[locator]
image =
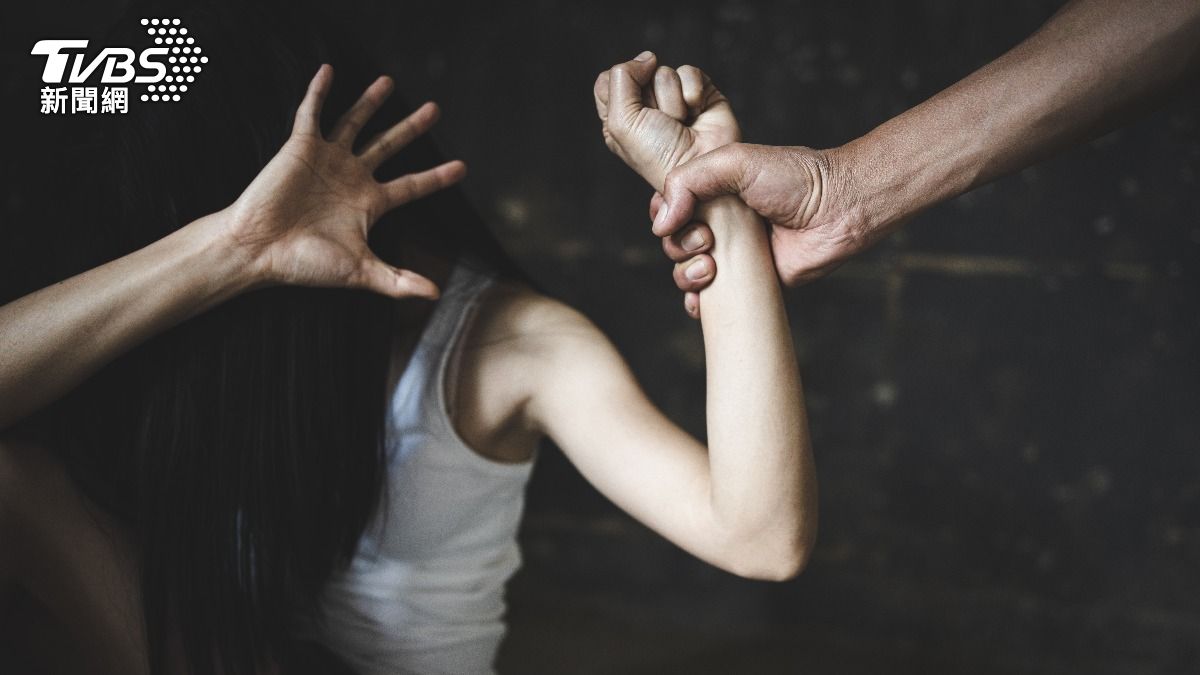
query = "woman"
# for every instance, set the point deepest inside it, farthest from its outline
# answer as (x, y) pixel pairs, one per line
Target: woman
(213, 450)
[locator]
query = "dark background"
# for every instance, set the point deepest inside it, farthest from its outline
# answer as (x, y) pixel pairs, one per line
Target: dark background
(1003, 397)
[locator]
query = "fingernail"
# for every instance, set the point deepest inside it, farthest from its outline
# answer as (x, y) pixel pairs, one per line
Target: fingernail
(644, 56)
(661, 218)
(697, 270)
(692, 241)
(689, 306)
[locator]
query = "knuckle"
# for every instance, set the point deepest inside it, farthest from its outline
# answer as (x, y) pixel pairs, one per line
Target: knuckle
(363, 276)
(674, 181)
(791, 273)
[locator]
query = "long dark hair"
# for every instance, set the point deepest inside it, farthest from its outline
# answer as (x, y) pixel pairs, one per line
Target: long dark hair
(243, 447)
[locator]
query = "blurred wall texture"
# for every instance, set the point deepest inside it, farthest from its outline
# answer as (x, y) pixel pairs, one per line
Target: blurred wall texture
(1004, 397)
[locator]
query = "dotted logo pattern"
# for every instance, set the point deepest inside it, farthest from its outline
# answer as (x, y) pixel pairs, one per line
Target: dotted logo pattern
(186, 59)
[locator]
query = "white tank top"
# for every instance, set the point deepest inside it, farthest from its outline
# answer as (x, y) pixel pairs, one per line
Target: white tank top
(425, 592)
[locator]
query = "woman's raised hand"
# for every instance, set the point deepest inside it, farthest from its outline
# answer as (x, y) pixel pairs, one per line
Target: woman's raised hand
(656, 118)
(304, 219)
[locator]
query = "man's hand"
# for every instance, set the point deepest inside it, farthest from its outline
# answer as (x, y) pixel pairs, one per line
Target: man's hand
(802, 192)
(1091, 65)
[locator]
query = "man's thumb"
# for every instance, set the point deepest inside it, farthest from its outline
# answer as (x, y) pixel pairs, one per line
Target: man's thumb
(706, 177)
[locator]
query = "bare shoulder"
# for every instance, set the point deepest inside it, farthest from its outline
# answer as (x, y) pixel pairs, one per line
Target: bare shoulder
(513, 316)
(519, 342)
(522, 336)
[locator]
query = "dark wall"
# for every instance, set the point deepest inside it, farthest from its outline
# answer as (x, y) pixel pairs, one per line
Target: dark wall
(1003, 397)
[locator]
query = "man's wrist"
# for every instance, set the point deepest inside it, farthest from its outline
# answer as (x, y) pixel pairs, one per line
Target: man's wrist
(890, 175)
(869, 186)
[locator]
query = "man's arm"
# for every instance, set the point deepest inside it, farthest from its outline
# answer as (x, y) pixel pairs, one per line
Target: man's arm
(1084, 71)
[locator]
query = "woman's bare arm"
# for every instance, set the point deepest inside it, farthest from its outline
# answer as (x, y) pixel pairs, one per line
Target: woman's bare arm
(304, 220)
(53, 339)
(747, 502)
(759, 449)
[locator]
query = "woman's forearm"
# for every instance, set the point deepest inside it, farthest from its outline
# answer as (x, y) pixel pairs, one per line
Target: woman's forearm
(53, 339)
(1077, 76)
(761, 463)
(303, 220)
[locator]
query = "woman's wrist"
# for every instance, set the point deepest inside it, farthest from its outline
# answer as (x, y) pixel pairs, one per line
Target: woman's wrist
(738, 232)
(727, 216)
(229, 266)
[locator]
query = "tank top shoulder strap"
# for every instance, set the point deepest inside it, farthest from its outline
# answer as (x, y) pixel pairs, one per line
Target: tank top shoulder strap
(457, 303)
(417, 396)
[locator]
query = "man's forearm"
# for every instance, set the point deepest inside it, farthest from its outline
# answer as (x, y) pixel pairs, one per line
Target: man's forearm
(1080, 74)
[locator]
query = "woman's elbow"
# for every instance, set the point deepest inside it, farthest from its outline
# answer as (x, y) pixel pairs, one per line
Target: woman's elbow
(781, 559)
(778, 568)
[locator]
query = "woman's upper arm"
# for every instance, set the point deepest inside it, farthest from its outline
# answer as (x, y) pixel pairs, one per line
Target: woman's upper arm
(587, 401)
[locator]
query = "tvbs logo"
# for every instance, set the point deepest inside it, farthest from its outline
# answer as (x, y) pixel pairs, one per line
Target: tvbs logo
(165, 70)
(118, 63)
